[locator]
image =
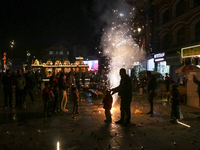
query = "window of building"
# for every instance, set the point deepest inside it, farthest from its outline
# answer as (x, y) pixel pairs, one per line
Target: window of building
(56, 52)
(180, 8)
(61, 52)
(165, 42)
(166, 16)
(196, 3)
(197, 32)
(67, 52)
(50, 52)
(181, 36)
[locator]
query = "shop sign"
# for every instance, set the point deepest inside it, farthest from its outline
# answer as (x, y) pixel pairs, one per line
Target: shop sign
(190, 51)
(136, 63)
(159, 57)
(78, 57)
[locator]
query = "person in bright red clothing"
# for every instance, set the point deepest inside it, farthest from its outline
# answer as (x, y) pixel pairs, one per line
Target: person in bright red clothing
(46, 96)
(107, 101)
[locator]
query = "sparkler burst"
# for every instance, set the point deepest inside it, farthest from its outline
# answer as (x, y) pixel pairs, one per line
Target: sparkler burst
(118, 43)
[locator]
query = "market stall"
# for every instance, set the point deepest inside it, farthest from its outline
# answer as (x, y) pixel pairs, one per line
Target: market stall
(49, 68)
(192, 95)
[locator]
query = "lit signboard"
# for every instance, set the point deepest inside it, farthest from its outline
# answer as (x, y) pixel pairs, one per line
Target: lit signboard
(190, 51)
(159, 57)
(93, 65)
(79, 57)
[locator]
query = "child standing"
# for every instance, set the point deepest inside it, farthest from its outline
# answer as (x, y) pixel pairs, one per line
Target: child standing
(107, 101)
(140, 85)
(46, 96)
(175, 109)
(75, 98)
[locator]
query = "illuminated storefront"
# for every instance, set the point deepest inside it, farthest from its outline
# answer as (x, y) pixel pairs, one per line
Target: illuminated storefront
(191, 55)
(151, 64)
(48, 69)
(161, 64)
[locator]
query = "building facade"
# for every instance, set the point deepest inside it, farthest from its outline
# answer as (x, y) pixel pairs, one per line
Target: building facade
(80, 50)
(176, 25)
(56, 52)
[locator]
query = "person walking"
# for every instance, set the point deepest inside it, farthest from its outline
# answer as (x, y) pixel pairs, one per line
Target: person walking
(47, 96)
(29, 87)
(125, 92)
(63, 92)
(167, 84)
(175, 100)
(77, 79)
(75, 99)
(56, 103)
(83, 78)
(150, 88)
(134, 81)
(7, 81)
(107, 105)
(19, 88)
(70, 81)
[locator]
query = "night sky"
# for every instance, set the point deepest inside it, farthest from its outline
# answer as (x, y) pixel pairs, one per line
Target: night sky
(36, 25)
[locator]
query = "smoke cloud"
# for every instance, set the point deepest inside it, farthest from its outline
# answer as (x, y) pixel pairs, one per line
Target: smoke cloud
(117, 37)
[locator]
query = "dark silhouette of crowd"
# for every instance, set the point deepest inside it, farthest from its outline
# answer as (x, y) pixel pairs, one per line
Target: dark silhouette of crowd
(63, 88)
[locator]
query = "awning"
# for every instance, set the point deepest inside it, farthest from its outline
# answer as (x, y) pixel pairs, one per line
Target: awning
(185, 68)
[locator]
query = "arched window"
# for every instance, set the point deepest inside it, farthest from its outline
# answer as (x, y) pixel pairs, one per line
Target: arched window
(181, 36)
(165, 42)
(197, 32)
(166, 16)
(180, 8)
(196, 3)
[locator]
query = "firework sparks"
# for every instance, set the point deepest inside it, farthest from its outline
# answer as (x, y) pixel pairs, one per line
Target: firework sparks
(119, 45)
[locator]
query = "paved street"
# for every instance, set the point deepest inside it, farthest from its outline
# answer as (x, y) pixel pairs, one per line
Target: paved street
(26, 129)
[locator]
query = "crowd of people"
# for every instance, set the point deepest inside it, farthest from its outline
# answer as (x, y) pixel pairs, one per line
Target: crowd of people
(55, 93)
(59, 89)
(23, 84)
(64, 86)
(125, 90)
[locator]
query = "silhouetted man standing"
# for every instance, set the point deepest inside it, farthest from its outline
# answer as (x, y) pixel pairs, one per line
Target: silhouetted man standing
(125, 92)
(7, 82)
(151, 86)
(19, 91)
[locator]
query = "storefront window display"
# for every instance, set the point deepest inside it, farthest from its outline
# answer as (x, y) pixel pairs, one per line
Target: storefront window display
(57, 70)
(49, 72)
(67, 70)
(163, 68)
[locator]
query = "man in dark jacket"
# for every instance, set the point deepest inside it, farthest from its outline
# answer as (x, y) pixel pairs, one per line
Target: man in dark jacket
(125, 92)
(30, 85)
(7, 82)
(150, 87)
(19, 91)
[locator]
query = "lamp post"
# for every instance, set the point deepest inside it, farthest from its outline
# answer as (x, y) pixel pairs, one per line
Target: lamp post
(12, 43)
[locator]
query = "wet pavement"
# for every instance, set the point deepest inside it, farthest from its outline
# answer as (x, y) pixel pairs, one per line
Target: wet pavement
(26, 129)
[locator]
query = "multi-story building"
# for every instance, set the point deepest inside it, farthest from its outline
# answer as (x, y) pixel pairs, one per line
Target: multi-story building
(176, 25)
(80, 50)
(56, 52)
